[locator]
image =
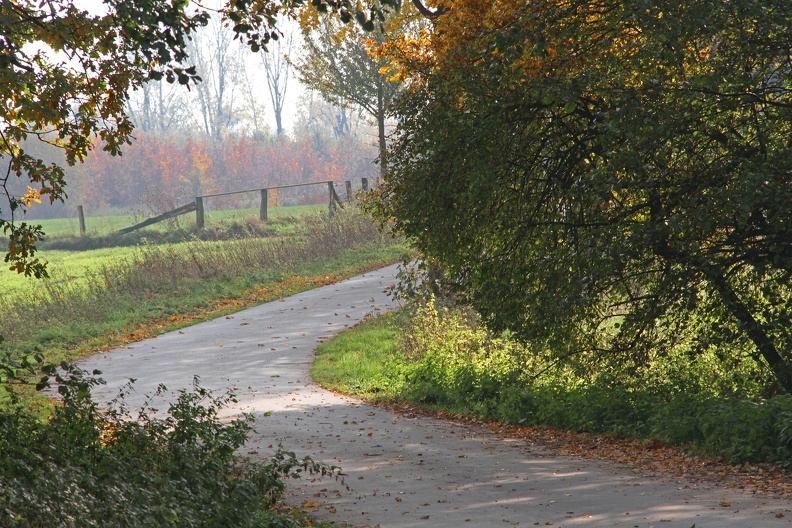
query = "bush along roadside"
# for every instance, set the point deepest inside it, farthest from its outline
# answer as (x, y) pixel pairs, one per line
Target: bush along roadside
(443, 360)
(86, 467)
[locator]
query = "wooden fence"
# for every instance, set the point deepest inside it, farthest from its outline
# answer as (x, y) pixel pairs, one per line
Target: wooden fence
(334, 202)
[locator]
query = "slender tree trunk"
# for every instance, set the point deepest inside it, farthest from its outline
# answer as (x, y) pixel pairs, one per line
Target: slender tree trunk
(383, 146)
(753, 328)
(278, 121)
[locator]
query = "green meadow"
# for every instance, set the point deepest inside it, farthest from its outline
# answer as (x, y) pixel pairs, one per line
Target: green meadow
(110, 221)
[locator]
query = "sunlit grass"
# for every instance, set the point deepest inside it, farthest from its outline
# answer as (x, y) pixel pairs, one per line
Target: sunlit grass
(360, 361)
(108, 224)
(429, 360)
(63, 266)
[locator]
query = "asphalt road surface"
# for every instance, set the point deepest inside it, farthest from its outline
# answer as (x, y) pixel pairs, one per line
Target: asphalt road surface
(403, 470)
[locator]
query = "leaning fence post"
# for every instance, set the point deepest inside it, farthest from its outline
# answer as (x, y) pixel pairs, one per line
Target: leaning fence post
(364, 184)
(263, 206)
(81, 218)
(349, 190)
(199, 212)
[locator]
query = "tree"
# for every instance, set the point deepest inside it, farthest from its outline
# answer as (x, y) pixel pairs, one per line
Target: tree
(338, 63)
(158, 107)
(65, 75)
(254, 109)
(608, 178)
(276, 70)
(317, 117)
(218, 61)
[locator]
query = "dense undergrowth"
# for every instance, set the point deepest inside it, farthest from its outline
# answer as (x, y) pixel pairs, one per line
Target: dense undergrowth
(440, 357)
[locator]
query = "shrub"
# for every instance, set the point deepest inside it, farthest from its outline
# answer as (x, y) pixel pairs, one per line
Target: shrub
(84, 467)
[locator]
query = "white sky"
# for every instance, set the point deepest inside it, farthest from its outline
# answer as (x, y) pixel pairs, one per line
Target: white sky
(255, 68)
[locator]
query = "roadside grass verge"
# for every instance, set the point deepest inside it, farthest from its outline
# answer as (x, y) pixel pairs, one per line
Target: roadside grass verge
(363, 361)
(442, 361)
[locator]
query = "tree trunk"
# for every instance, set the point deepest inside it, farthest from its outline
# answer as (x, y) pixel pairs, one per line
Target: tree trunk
(756, 332)
(383, 146)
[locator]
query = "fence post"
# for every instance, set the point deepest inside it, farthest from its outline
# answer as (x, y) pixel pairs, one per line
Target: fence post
(263, 206)
(199, 212)
(81, 218)
(331, 192)
(364, 184)
(349, 190)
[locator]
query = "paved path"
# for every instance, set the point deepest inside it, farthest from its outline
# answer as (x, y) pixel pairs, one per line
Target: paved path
(405, 471)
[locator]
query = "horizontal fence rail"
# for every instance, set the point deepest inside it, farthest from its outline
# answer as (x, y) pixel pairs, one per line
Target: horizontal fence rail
(334, 201)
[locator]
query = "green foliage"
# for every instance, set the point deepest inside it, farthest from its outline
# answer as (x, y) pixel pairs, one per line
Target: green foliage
(86, 467)
(450, 360)
(254, 20)
(735, 428)
(611, 181)
(443, 359)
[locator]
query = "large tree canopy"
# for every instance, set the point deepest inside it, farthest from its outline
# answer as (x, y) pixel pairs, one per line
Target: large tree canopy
(607, 177)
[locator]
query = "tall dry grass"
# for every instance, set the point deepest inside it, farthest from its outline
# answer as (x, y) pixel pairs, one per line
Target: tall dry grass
(168, 273)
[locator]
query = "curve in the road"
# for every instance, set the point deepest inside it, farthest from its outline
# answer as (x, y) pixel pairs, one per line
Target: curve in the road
(402, 470)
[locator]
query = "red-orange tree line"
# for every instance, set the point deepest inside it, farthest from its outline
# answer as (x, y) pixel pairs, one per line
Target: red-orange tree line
(178, 168)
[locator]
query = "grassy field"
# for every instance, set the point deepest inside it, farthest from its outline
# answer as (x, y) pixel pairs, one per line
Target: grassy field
(64, 266)
(78, 265)
(109, 224)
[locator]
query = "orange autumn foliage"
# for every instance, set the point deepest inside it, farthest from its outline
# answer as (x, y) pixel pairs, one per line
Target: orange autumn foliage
(195, 166)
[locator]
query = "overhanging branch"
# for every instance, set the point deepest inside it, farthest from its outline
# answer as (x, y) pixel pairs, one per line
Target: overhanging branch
(425, 11)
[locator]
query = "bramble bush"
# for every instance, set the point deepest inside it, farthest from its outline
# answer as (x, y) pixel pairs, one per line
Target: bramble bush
(86, 467)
